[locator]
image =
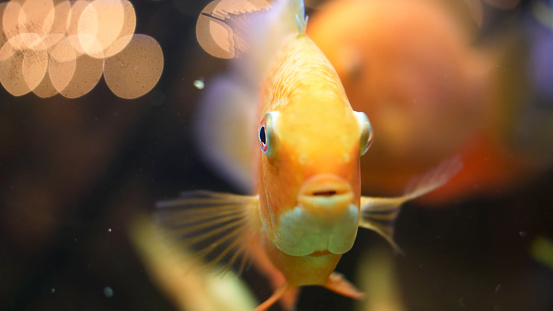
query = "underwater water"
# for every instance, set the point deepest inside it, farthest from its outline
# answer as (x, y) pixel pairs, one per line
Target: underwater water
(76, 173)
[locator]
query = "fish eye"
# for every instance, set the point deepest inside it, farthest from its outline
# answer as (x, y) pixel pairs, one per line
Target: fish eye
(263, 137)
(366, 137)
(266, 134)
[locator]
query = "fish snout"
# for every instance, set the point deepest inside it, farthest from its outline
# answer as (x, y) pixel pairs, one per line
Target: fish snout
(325, 194)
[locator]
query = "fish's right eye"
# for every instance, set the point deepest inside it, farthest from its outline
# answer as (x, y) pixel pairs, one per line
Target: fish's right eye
(366, 136)
(266, 134)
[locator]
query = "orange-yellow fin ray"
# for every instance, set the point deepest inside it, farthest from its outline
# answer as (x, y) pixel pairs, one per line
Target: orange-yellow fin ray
(338, 284)
(433, 179)
(211, 222)
(230, 236)
(216, 226)
(274, 297)
(241, 249)
(379, 214)
(289, 298)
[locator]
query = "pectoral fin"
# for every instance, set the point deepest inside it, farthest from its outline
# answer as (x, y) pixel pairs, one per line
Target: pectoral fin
(217, 226)
(379, 214)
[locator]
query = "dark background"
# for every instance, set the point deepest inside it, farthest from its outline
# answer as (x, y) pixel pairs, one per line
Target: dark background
(73, 173)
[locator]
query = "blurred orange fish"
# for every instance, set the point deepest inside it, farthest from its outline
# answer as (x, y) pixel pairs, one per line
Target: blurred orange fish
(431, 93)
(307, 205)
(411, 67)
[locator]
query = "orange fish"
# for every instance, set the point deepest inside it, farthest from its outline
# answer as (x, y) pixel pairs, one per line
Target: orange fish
(411, 67)
(431, 93)
(307, 203)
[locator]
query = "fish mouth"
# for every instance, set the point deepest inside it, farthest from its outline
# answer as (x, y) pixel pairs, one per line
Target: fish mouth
(325, 194)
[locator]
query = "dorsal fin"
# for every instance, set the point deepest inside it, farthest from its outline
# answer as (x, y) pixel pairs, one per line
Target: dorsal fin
(301, 20)
(230, 28)
(223, 25)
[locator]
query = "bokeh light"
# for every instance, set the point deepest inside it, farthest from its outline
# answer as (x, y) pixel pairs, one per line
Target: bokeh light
(60, 47)
(88, 71)
(134, 71)
(22, 70)
(214, 29)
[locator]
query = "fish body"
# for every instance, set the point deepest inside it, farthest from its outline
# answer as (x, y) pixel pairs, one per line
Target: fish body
(307, 143)
(317, 144)
(309, 188)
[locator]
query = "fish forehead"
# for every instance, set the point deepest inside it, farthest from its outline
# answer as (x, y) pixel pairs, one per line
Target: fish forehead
(301, 69)
(319, 131)
(315, 114)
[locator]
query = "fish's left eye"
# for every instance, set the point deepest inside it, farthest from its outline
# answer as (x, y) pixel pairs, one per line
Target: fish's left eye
(366, 137)
(262, 135)
(266, 134)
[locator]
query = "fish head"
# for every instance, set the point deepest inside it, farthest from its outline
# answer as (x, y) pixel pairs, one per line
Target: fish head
(309, 174)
